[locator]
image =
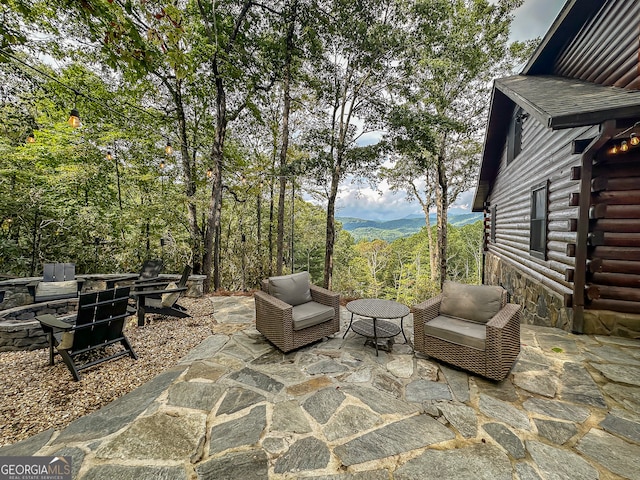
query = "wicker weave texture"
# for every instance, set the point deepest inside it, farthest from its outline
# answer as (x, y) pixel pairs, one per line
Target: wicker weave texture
(502, 344)
(274, 319)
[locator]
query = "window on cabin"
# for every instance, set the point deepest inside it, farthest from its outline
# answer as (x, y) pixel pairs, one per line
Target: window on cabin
(538, 235)
(514, 140)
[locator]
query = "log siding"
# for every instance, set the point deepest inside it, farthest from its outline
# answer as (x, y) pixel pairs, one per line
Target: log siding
(590, 58)
(546, 156)
(613, 275)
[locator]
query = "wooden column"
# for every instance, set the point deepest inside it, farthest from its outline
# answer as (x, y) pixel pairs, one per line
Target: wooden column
(606, 132)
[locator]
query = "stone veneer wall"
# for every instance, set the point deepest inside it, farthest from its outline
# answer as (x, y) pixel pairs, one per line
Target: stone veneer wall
(544, 307)
(541, 306)
(19, 330)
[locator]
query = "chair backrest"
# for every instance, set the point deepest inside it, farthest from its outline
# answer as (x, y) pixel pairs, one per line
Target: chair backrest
(185, 276)
(151, 269)
(101, 317)
(58, 272)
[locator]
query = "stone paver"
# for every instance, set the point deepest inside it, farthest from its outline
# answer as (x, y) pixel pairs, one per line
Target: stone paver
(399, 437)
(240, 432)
(147, 439)
(505, 412)
(611, 452)
(479, 462)
(235, 407)
(558, 464)
(506, 438)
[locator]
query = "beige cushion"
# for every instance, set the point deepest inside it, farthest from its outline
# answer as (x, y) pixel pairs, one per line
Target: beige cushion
(457, 331)
(292, 289)
(311, 313)
(52, 290)
(168, 299)
(67, 341)
(478, 303)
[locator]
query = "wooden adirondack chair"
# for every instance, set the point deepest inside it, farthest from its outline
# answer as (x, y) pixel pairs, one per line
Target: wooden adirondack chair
(98, 324)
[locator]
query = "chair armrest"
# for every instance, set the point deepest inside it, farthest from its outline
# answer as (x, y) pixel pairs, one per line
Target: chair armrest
(427, 310)
(504, 327)
(50, 321)
(422, 313)
(272, 313)
(508, 314)
(144, 293)
(150, 283)
(272, 301)
(324, 296)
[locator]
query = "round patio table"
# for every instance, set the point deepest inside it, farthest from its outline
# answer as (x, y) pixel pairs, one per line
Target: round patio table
(377, 312)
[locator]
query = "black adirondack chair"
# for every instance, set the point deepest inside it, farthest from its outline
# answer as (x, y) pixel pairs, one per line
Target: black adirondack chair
(150, 270)
(160, 297)
(148, 273)
(98, 324)
(58, 282)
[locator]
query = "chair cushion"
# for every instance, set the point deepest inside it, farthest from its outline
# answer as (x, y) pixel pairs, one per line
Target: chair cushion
(478, 303)
(168, 299)
(54, 290)
(457, 331)
(66, 342)
(292, 289)
(311, 313)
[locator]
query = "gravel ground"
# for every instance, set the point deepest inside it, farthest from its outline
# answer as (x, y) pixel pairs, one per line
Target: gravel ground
(35, 397)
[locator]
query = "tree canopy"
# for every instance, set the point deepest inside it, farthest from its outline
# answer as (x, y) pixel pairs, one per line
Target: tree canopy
(265, 107)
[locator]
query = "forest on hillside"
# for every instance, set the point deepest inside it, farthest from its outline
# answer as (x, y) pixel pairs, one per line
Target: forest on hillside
(188, 130)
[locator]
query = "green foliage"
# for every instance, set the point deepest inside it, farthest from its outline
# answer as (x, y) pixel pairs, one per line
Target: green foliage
(399, 270)
(209, 75)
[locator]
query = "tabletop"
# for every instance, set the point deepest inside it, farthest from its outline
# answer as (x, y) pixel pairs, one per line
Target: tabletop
(378, 308)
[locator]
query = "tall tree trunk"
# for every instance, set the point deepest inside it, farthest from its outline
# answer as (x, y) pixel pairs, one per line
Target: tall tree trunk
(280, 227)
(286, 86)
(432, 245)
(443, 205)
(189, 181)
(426, 205)
(211, 255)
(271, 209)
(259, 231)
(331, 227)
(215, 202)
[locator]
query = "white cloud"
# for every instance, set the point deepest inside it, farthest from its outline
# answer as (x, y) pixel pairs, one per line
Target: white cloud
(364, 202)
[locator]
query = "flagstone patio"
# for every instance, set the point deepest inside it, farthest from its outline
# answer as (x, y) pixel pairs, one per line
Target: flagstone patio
(237, 408)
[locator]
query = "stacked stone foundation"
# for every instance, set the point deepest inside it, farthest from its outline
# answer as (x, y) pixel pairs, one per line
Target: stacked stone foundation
(541, 305)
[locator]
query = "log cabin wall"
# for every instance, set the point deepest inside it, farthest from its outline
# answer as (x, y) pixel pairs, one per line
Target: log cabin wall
(613, 255)
(541, 285)
(587, 57)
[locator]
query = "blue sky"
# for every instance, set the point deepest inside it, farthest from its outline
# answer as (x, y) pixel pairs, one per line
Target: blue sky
(531, 20)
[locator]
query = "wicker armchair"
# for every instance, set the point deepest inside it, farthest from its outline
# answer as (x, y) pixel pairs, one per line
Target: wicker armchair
(293, 317)
(470, 326)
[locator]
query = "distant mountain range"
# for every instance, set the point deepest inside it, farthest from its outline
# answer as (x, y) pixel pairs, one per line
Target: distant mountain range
(389, 230)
